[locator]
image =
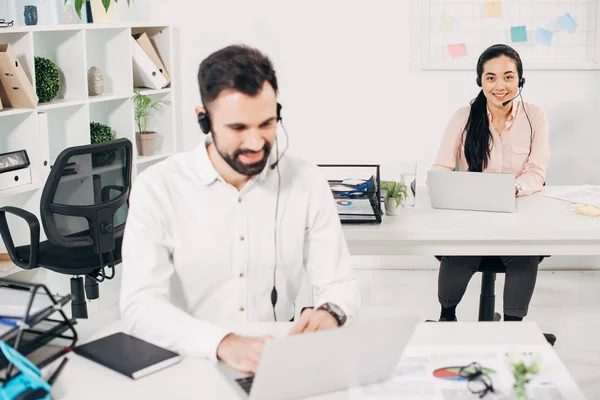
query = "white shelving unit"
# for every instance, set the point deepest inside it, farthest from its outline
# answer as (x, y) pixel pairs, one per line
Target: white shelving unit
(75, 49)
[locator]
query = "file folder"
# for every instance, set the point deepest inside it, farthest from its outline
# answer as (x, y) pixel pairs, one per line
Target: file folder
(145, 73)
(16, 90)
(144, 41)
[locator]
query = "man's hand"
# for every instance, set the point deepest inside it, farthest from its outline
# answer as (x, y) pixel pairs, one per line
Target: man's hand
(314, 320)
(242, 353)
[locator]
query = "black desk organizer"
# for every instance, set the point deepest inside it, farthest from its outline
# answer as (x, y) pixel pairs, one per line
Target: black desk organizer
(37, 330)
(372, 193)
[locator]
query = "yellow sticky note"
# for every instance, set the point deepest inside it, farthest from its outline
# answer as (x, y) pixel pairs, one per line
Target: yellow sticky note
(493, 9)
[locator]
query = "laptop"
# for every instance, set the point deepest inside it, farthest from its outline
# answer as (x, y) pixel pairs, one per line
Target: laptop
(473, 191)
(325, 361)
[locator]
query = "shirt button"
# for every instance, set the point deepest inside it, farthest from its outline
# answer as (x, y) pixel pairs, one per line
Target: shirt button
(240, 200)
(242, 309)
(242, 238)
(241, 274)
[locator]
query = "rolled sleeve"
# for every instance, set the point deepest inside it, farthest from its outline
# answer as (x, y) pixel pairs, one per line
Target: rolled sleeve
(534, 173)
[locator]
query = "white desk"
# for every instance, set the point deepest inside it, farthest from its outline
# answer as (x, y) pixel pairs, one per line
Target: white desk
(196, 378)
(540, 226)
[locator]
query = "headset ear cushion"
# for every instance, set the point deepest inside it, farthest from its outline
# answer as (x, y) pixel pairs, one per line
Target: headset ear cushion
(204, 122)
(522, 83)
(279, 107)
(478, 80)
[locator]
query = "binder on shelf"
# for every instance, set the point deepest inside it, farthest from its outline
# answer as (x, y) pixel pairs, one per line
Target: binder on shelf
(16, 90)
(356, 191)
(144, 41)
(145, 73)
(33, 322)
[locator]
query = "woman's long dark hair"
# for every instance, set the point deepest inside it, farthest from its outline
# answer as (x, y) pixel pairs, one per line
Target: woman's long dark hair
(478, 138)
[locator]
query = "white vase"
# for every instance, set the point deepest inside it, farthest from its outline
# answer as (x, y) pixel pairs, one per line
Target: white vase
(392, 207)
(99, 14)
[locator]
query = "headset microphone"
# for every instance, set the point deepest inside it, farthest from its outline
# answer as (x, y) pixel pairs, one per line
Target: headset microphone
(287, 144)
(508, 101)
(521, 84)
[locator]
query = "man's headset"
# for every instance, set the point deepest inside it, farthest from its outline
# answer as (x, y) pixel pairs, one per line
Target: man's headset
(205, 126)
(204, 119)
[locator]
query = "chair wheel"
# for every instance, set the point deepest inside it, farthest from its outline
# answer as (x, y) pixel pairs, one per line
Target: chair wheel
(497, 317)
(550, 338)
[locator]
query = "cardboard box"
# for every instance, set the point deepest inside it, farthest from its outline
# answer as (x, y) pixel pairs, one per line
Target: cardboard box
(16, 90)
(144, 41)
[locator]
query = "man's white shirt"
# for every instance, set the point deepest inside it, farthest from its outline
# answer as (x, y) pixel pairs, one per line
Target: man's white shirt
(218, 244)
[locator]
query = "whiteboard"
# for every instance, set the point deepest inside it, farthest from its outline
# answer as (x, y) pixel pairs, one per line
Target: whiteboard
(470, 23)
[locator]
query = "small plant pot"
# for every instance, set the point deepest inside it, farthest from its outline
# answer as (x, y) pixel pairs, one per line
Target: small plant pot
(392, 207)
(146, 143)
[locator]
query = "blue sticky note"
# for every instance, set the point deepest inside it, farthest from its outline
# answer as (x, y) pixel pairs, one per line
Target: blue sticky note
(518, 34)
(567, 22)
(544, 36)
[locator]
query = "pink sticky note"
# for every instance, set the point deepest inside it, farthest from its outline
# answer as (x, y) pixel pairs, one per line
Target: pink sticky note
(457, 50)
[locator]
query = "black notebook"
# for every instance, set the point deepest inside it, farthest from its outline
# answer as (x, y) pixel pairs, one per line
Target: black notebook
(128, 355)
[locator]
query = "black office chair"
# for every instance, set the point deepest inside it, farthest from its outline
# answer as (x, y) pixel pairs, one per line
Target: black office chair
(489, 267)
(83, 209)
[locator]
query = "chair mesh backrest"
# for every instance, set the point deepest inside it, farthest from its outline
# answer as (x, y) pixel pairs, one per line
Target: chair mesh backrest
(85, 180)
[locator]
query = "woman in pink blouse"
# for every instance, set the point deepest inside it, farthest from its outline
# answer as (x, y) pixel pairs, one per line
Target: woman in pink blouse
(495, 134)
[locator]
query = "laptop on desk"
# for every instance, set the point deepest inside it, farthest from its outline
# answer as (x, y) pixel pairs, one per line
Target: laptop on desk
(325, 361)
(474, 191)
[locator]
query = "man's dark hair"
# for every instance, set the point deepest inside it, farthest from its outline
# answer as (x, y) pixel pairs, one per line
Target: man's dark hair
(235, 67)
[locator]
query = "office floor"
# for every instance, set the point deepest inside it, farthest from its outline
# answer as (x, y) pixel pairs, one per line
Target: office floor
(566, 303)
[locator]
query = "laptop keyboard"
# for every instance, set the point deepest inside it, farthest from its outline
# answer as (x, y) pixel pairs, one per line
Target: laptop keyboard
(246, 383)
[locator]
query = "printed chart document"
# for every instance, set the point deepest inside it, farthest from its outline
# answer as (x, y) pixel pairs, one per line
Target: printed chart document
(432, 373)
(586, 194)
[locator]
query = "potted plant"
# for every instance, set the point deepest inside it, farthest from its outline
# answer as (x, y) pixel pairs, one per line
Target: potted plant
(144, 106)
(395, 194)
(101, 9)
(523, 374)
(100, 133)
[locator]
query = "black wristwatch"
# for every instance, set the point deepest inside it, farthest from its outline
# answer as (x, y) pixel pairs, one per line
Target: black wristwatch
(335, 311)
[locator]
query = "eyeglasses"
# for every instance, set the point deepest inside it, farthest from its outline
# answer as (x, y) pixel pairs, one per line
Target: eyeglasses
(478, 382)
(4, 23)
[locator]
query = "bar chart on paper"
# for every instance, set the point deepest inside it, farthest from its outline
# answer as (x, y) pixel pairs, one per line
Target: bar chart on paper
(547, 34)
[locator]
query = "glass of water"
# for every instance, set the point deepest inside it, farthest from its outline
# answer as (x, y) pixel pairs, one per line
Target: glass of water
(408, 176)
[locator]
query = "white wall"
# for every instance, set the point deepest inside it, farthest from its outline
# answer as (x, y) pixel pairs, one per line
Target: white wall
(353, 91)
(351, 84)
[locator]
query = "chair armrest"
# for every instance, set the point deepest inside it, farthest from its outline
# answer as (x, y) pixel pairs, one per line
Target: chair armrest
(34, 235)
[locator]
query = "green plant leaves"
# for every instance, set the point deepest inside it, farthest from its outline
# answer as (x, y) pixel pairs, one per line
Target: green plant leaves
(395, 190)
(78, 6)
(143, 108)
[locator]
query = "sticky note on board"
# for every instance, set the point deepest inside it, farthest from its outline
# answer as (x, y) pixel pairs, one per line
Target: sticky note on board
(446, 22)
(457, 50)
(543, 36)
(518, 34)
(493, 9)
(567, 22)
